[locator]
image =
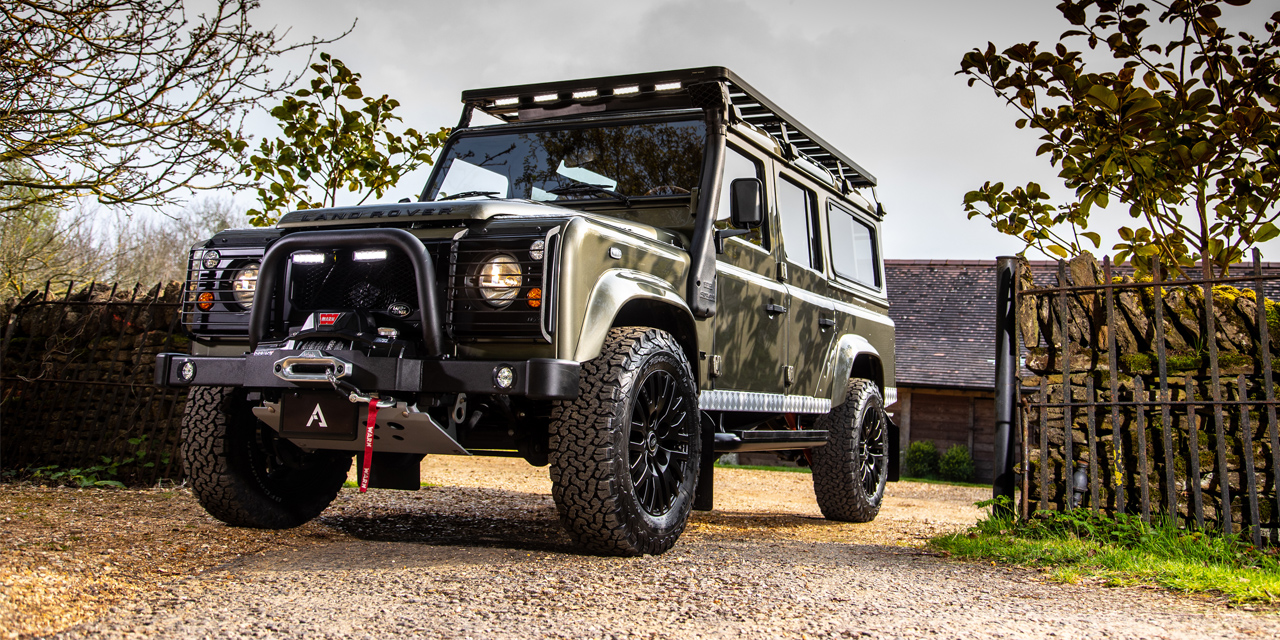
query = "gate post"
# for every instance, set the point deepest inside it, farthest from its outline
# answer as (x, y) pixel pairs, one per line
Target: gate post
(1006, 376)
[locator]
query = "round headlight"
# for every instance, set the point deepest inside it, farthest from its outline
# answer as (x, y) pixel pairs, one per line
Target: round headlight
(245, 283)
(499, 280)
(211, 259)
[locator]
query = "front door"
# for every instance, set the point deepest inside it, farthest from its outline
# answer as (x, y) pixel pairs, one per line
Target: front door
(750, 345)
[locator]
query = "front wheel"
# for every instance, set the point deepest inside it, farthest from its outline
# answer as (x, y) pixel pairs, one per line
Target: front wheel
(246, 476)
(850, 471)
(625, 453)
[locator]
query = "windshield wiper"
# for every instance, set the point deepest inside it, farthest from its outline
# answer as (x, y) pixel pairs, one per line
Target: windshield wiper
(468, 194)
(583, 187)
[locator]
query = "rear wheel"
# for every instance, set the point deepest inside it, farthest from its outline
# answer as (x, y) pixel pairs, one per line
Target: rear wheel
(625, 452)
(850, 472)
(243, 474)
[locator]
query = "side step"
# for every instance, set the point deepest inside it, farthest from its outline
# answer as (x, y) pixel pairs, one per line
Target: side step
(756, 440)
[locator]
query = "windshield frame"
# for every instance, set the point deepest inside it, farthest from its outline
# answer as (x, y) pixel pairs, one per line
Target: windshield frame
(590, 122)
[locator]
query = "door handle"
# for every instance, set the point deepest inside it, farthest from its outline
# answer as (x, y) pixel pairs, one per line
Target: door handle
(772, 308)
(826, 323)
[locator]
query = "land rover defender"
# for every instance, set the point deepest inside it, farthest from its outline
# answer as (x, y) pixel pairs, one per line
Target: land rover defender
(623, 278)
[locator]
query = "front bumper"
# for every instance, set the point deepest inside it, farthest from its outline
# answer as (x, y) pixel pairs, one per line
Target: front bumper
(537, 378)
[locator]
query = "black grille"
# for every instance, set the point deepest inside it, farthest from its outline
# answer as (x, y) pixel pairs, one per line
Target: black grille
(471, 317)
(341, 282)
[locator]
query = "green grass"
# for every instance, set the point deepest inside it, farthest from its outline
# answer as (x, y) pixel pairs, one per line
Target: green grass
(955, 484)
(759, 467)
(762, 467)
(1119, 551)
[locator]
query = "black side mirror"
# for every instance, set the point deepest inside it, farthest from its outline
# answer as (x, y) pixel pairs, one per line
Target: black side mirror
(746, 203)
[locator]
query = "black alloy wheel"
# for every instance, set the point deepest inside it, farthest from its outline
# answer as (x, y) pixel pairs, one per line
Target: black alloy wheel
(873, 454)
(659, 442)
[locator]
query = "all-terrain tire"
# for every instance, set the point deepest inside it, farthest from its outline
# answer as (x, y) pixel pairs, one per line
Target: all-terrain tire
(625, 453)
(243, 474)
(850, 471)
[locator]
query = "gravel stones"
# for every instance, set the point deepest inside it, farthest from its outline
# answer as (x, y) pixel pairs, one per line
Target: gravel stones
(483, 557)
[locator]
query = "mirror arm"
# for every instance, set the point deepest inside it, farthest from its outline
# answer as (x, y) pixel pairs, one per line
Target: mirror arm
(721, 234)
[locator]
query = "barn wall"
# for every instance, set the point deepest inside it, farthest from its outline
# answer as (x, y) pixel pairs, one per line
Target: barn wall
(952, 418)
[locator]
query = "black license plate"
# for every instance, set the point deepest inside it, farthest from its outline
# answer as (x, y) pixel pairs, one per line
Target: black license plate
(322, 415)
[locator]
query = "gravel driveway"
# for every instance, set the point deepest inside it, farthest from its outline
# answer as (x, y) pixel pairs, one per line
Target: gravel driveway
(480, 556)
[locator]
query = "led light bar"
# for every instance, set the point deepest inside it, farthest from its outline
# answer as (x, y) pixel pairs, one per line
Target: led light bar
(547, 97)
(370, 255)
(308, 258)
(666, 86)
(583, 95)
(627, 90)
(506, 102)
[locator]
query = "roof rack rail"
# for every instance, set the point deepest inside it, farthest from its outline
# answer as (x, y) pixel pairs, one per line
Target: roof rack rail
(661, 90)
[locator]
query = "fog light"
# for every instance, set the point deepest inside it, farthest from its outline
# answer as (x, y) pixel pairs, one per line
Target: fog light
(535, 297)
(308, 258)
(504, 377)
(211, 259)
(371, 255)
(187, 372)
(205, 301)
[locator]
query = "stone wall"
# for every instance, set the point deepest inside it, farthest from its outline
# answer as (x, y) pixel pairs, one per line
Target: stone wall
(1195, 453)
(78, 381)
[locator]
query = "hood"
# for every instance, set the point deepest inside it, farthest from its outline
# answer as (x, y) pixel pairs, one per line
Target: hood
(406, 212)
(456, 211)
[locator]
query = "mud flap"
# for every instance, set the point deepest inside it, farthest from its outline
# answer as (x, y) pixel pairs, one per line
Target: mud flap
(395, 471)
(704, 495)
(895, 449)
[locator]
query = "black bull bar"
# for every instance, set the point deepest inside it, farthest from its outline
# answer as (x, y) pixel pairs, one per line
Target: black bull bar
(423, 268)
(543, 378)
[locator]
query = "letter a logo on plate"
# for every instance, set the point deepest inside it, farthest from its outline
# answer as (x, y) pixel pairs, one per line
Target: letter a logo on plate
(328, 319)
(317, 416)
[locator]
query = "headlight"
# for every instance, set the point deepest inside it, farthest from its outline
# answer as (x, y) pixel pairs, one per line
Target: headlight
(499, 280)
(245, 283)
(211, 259)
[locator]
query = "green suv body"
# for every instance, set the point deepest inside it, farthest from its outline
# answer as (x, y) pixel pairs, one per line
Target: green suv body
(623, 278)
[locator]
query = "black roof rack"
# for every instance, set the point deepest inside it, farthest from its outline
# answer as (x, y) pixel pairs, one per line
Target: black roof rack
(662, 90)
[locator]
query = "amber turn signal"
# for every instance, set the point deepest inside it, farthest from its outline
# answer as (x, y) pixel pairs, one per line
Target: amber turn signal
(535, 297)
(205, 301)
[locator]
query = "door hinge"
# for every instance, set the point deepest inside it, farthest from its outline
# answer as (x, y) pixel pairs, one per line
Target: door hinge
(782, 272)
(789, 374)
(715, 366)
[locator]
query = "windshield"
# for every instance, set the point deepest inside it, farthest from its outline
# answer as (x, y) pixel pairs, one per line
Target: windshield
(633, 160)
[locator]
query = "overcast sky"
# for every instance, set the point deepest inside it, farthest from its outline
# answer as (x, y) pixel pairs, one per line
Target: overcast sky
(874, 78)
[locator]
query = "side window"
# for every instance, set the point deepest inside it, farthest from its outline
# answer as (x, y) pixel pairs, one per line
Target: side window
(853, 248)
(800, 238)
(738, 165)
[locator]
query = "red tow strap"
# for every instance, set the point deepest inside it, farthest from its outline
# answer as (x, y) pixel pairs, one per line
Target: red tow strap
(368, 444)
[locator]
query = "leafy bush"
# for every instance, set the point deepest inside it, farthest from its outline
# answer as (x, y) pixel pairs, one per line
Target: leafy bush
(922, 459)
(956, 465)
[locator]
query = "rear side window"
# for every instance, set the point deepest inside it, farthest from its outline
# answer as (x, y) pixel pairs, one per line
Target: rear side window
(853, 248)
(799, 225)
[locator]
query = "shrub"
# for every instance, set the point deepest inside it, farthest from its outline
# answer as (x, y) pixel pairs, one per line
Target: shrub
(922, 459)
(956, 465)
